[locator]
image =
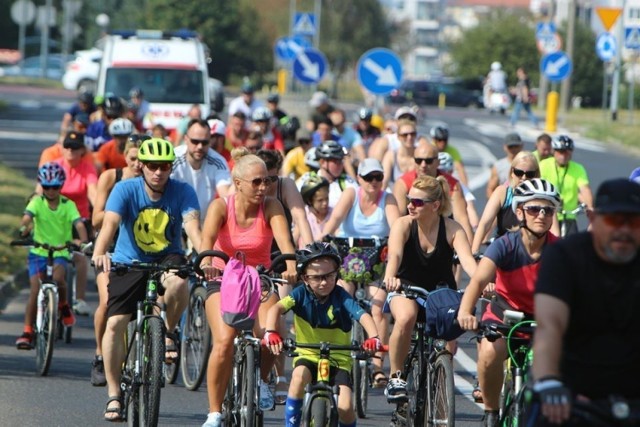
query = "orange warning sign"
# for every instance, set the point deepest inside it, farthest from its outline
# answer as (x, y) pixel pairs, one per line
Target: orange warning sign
(608, 16)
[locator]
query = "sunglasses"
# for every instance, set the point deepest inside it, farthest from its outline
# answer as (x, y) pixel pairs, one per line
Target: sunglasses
(319, 278)
(620, 219)
(520, 173)
(547, 211)
(51, 187)
(253, 149)
(406, 134)
(198, 141)
(373, 177)
(163, 166)
(428, 160)
(267, 181)
(418, 203)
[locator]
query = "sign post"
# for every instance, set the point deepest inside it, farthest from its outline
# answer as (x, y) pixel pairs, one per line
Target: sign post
(608, 17)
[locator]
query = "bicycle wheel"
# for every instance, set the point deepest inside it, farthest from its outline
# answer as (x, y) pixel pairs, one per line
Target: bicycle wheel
(318, 415)
(415, 395)
(229, 418)
(441, 407)
(46, 332)
(248, 395)
(132, 391)
(67, 331)
(171, 369)
(152, 361)
(196, 341)
(360, 374)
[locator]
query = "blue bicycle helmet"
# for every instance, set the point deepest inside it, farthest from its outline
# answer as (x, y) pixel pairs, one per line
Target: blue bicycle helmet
(51, 175)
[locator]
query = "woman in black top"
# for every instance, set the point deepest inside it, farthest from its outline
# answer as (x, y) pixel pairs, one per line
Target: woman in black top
(421, 247)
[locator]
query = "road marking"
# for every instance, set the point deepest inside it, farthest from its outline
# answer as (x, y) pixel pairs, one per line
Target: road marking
(27, 136)
(462, 385)
(474, 152)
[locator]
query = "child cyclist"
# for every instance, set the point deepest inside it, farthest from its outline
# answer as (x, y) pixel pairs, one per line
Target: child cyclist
(323, 312)
(51, 217)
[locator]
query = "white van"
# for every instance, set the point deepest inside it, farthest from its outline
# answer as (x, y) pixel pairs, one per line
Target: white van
(169, 66)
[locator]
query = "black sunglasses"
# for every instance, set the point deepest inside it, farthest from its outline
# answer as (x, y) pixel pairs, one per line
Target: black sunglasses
(418, 203)
(529, 174)
(428, 160)
(267, 181)
(195, 141)
(405, 134)
(373, 177)
(51, 187)
(535, 210)
(163, 166)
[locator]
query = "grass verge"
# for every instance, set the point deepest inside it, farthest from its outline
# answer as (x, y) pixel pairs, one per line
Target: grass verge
(597, 124)
(31, 81)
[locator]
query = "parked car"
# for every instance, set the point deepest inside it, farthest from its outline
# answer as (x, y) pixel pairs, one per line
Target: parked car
(81, 74)
(459, 93)
(30, 67)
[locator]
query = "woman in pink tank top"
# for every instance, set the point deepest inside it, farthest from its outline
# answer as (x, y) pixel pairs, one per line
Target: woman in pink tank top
(246, 221)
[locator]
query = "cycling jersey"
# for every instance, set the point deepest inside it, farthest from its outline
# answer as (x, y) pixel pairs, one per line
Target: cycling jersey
(76, 184)
(109, 156)
(567, 180)
(54, 227)
(317, 322)
(453, 152)
(294, 164)
(97, 134)
(356, 224)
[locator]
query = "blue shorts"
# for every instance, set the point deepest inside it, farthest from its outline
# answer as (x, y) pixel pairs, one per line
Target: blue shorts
(38, 264)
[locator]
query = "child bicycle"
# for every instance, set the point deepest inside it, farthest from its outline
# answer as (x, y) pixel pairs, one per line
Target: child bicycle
(49, 325)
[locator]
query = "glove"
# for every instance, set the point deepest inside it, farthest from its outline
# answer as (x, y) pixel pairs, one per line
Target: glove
(272, 338)
(552, 391)
(372, 344)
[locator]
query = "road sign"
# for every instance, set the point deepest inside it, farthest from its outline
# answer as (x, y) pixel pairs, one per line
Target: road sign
(309, 66)
(305, 24)
(545, 30)
(608, 16)
(606, 46)
(23, 12)
(632, 37)
(556, 66)
(550, 44)
(287, 48)
(379, 70)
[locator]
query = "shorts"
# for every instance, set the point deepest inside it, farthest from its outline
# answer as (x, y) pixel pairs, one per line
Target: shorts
(213, 287)
(337, 376)
(422, 316)
(38, 264)
(126, 290)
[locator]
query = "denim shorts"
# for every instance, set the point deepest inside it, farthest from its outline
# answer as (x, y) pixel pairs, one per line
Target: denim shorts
(38, 264)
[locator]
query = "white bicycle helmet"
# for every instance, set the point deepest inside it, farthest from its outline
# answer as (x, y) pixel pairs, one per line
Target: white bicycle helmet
(446, 162)
(261, 114)
(121, 127)
(495, 66)
(562, 142)
(217, 127)
(310, 159)
(535, 189)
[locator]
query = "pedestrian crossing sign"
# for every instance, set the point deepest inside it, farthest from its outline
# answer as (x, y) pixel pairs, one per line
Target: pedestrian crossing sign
(632, 37)
(305, 24)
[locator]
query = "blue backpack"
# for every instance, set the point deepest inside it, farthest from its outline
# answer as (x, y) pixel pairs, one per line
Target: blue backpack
(441, 313)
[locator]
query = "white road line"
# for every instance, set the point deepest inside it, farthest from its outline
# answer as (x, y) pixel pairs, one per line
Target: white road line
(475, 152)
(462, 385)
(29, 136)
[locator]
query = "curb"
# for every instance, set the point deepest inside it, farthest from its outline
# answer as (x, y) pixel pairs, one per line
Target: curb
(12, 285)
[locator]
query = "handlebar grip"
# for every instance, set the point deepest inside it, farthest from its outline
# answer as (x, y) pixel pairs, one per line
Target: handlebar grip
(208, 253)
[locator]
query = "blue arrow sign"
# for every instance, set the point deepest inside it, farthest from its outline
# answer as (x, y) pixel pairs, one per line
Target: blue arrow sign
(309, 66)
(556, 66)
(305, 24)
(632, 37)
(287, 48)
(379, 71)
(606, 46)
(545, 29)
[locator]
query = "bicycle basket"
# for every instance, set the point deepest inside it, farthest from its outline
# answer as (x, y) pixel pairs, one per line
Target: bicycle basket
(362, 265)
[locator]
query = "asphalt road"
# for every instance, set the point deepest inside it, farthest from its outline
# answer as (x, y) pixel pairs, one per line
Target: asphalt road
(66, 398)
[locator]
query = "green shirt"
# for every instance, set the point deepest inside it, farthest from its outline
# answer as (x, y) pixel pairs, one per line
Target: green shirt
(52, 226)
(454, 153)
(567, 180)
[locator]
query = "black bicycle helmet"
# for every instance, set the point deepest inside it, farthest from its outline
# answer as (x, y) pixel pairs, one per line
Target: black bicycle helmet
(365, 114)
(113, 106)
(85, 97)
(562, 142)
(273, 98)
(535, 189)
(440, 133)
(330, 150)
(313, 251)
(311, 185)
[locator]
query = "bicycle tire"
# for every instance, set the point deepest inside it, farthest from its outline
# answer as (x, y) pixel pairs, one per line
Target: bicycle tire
(196, 341)
(441, 407)
(153, 350)
(415, 394)
(228, 415)
(248, 395)
(360, 374)
(131, 400)
(318, 415)
(171, 369)
(46, 333)
(67, 331)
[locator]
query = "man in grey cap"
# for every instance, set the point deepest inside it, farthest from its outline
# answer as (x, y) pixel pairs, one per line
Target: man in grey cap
(320, 110)
(500, 170)
(587, 341)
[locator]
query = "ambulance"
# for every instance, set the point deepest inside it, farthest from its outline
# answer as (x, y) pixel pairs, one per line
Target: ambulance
(170, 67)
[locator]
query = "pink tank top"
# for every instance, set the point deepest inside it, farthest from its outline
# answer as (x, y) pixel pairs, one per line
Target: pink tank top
(254, 241)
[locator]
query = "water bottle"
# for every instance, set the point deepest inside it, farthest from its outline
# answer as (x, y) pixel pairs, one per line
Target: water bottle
(40, 305)
(152, 290)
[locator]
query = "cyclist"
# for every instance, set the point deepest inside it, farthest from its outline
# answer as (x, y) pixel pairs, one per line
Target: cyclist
(217, 138)
(421, 247)
(543, 147)
(440, 138)
(400, 161)
(500, 170)
(294, 162)
(347, 136)
(83, 105)
(98, 131)
(271, 137)
(389, 141)
(323, 312)
(236, 131)
(149, 212)
(245, 221)
(569, 177)
(446, 165)
(246, 102)
(106, 182)
(51, 218)
(55, 151)
(586, 345)
(195, 112)
(320, 110)
(365, 127)
(110, 155)
(142, 106)
(315, 194)
(513, 260)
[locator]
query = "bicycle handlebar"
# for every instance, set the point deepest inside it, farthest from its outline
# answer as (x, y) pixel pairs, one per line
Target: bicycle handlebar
(208, 253)
(580, 209)
(290, 344)
(358, 242)
(493, 331)
(68, 245)
(180, 270)
(276, 262)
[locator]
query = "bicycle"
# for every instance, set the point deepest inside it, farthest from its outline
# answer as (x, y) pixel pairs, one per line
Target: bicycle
(564, 227)
(362, 260)
(428, 370)
(49, 325)
(517, 334)
(143, 372)
(614, 411)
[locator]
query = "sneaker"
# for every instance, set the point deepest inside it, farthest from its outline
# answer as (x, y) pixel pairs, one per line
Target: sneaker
(396, 390)
(98, 378)
(81, 308)
(214, 419)
(491, 419)
(267, 402)
(67, 316)
(25, 341)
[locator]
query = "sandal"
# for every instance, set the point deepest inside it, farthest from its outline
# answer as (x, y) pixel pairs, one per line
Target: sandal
(476, 394)
(171, 349)
(379, 379)
(113, 410)
(281, 391)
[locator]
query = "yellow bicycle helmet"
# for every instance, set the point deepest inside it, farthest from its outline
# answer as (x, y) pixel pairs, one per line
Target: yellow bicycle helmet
(156, 150)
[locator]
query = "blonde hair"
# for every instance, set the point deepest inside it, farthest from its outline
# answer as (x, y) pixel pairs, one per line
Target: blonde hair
(131, 144)
(244, 160)
(437, 189)
(522, 157)
(406, 122)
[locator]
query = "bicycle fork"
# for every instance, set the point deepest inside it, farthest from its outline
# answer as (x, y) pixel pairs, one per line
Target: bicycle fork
(41, 308)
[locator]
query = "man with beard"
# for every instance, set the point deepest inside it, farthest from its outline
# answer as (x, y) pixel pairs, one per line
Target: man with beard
(587, 342)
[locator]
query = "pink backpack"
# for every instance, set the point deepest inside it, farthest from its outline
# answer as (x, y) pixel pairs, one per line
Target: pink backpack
(240, 293)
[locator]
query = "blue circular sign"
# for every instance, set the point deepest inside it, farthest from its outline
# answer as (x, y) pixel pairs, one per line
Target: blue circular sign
(310, 66)
(287, 48)
(556, 66)
(606, 46)
(379, 70)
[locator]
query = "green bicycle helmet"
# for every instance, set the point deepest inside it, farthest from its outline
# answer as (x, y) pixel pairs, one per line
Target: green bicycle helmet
(156, 150)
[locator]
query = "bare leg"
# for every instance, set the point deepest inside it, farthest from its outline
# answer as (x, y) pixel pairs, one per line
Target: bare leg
(114, 353)
(221, 357)
(100, 316)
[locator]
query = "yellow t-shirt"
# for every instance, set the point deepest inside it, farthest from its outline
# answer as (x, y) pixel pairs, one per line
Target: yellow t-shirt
(294, 163)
